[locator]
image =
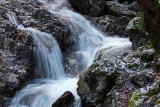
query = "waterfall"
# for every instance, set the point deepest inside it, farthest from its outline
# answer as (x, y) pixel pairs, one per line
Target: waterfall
(52, 82)
(48, 56)
(49, 72)
(90, 41)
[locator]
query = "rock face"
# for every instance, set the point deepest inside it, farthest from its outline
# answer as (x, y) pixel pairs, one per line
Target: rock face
(151, 13)
(16, 59)
(65, 100)
(91, 7)
(96, 81)
(136, 33)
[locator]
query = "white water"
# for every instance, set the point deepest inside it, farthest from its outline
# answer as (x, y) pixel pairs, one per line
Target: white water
(89, 40)
(52, 82)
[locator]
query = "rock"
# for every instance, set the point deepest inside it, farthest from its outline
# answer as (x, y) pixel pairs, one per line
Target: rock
(157, 61)
(65, 100)
(151, 19)
(91, 7)
(96, 82)
(120, 93)
(121, 1)
(49, 23)
(142, 79)
(116, 9)
(147, 55)
(16, 62)
(146, 96)
(111, 25)
(136, 33)
(116, 19)
(137, 74)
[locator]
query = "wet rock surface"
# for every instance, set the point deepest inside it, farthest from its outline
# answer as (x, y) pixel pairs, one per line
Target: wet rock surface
(16, 59)
(65, 100)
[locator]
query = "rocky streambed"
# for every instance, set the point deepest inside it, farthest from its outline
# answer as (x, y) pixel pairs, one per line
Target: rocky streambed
(124, 79)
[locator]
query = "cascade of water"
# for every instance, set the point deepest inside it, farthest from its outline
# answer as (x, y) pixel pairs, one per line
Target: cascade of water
(90, 43)
(49, 72)
(89, 40)
(48, 56)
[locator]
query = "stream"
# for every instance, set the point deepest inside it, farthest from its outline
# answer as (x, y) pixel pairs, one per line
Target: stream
(51, 81)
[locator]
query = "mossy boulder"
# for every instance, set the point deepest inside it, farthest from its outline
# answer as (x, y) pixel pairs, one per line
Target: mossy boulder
(96, 82)
(136, 33)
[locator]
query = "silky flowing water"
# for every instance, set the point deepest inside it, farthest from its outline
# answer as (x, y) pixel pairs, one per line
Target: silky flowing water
(50, 80)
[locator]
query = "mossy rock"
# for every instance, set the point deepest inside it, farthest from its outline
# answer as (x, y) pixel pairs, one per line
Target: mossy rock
(96, 82)
(143, 96)
(136, 24)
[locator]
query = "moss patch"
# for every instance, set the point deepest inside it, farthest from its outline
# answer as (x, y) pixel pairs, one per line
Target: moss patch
(80, 84)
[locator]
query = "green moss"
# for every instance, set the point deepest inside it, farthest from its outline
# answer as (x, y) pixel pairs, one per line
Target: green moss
(141, 24)
(80, 84)
(140, 96)
(137, 99)
(153, 91)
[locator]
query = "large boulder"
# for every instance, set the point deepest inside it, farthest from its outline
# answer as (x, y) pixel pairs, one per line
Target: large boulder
(96, 82)
(65, 100)
(91, 7)
(135, 31)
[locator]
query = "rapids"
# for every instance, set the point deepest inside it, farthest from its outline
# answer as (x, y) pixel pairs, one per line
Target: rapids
(50, 80)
